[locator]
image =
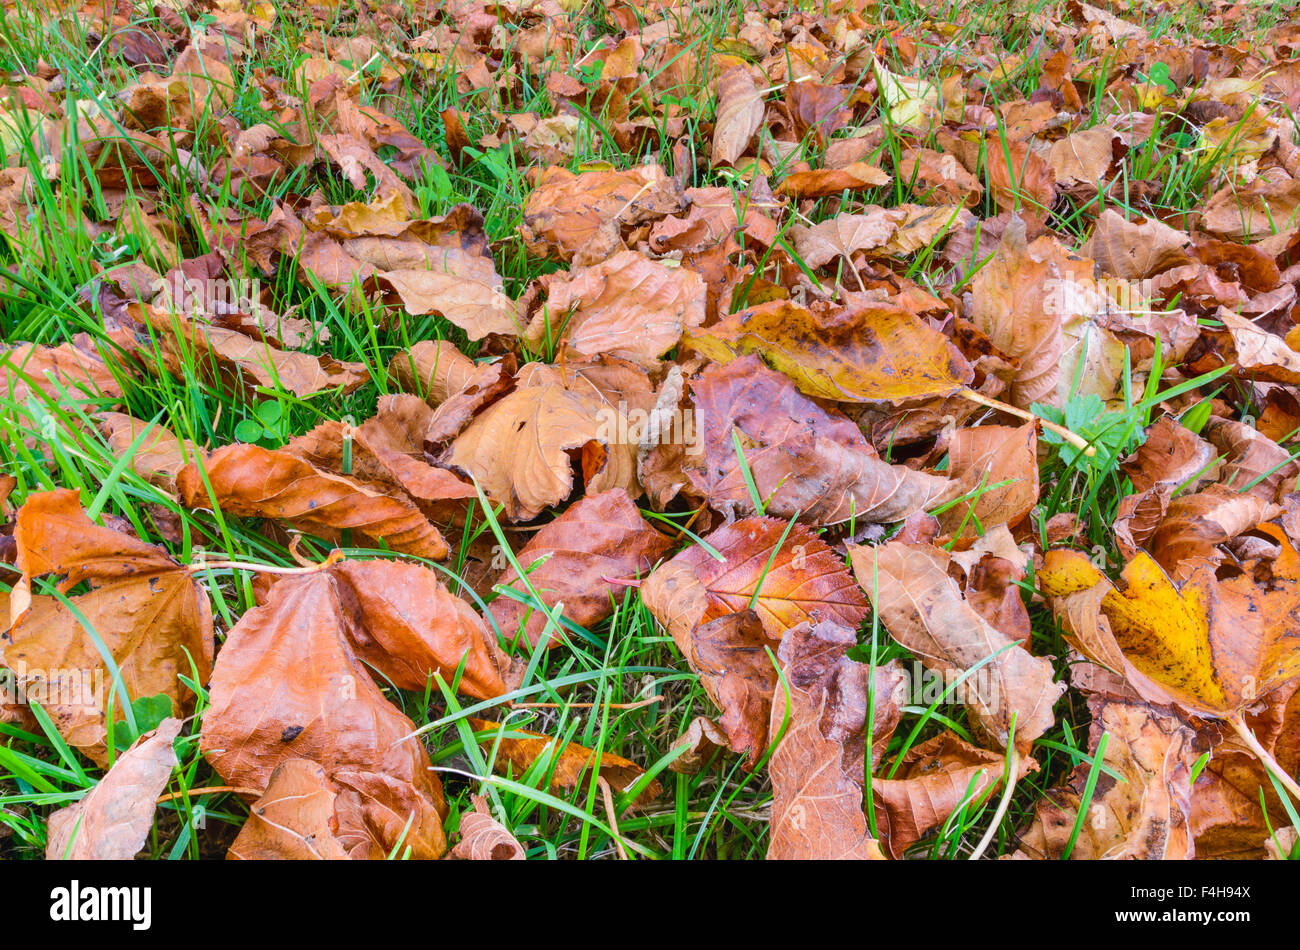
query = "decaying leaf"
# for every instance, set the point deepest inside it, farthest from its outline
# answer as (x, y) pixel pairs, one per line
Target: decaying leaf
(288, 684)
(576, 560)
(483, 838)
(801, 580)
(923, 609)
(112, 822)
(146, 610)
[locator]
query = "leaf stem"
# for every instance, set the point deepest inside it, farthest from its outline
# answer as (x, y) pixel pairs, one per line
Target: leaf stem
(1243, 731)
(1078, 441)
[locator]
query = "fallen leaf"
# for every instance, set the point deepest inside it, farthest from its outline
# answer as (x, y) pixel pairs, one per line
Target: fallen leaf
(483, 838)
(147, 611)
(112, 822)
(288, 685)
(923, 609)
(252, 482)
(802, 580)
(294, 820)
(595, 542)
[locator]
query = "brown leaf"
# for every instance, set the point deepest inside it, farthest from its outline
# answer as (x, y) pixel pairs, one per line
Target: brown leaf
(597, 540)
(1226, 816)
(144, 607)
(739, 115)
(817, 768)
(1135, 249)
(923, 609)
(1170, 457)
(802, 458)
(288, 685)
(252, 482)
(730, 655)
(1143, 817)
(112, 822)
(628, 306)
(987, 456)
(821, 182)
(476, 305)
(517, 750)
(294, 820)
(158, 458)
(387, 453)
(432, 370)
(27, 367)
(934, 779)
(846, 234)
(519, 447)
(241, 364)
(1036, 302)
(806, 581)
(409, 627)
(566, 212)
(938, 178)
(483, 838)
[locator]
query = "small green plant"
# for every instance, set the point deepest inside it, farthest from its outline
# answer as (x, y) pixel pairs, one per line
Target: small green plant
(268, 426)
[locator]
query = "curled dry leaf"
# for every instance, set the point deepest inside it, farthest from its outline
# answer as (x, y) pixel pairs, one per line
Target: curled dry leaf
(519, 447)
(628, 306)
(933, 780)
(923, 609)
(855, 354)
(288, 684)
(731, 656)
(409, 628)
(821, 182)
(1146, 815)
(112, 822)
(1172, 456)
(802, 458)
(145, 609)
(567, 212)
(817, 767)
(802, 581)
(595, 542)
(294, 820)
(386, 453)
(483, 838)
(252, 482)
